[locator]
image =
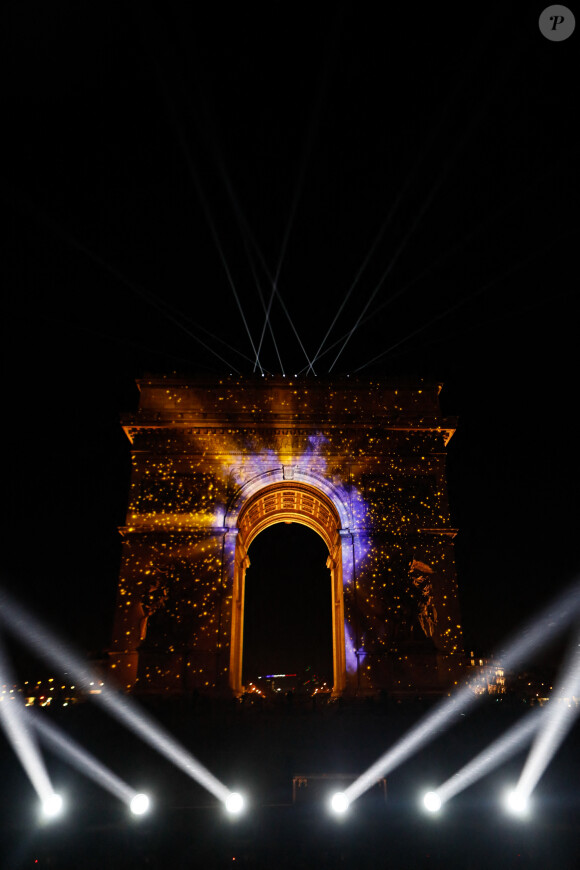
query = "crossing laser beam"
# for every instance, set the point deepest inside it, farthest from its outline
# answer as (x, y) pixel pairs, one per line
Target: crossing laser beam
(560, 716)
(20, 622)
(20, 736)
(535, 634)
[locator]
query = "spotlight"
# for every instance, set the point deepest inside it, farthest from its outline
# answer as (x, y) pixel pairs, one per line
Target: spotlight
(234, 803)
(432, 801)
(52, 806)
(139, 804)
(516, 803)
(122, 707)
(339, 803)
(532, 637)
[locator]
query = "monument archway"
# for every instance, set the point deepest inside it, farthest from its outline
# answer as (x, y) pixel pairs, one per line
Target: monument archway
(215, 461)
(289, 502)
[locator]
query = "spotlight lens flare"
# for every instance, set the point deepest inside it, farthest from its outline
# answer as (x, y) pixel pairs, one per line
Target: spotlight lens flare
(432, 801)
(339, 803)
(139, 804)
(234, 802)
(52, 806)
(516, 803)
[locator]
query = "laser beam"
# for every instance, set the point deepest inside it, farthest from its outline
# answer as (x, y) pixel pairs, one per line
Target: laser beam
(20, 622)
(151, 298)
(460, 303)
(536, 633)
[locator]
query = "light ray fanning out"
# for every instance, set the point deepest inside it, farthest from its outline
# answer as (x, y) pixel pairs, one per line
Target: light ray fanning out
(249, 237)
(561, 714)
(460, 83)
(462, 301)
(263, 303)
(149, 297)
(436, 186)
(19, 735)
(46, 644)
(264, 327)
(212, 227)
(195, 178)
(531, 639)
(295, 331)
(276, 292)
(71, 751)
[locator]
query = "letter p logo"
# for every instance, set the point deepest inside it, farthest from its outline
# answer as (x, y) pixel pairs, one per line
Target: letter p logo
(557, 23)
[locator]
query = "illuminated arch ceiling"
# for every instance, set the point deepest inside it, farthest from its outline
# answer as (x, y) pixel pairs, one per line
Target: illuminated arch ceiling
(289, 502)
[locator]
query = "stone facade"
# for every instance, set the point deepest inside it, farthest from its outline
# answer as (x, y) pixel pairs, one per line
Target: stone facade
(217, 461)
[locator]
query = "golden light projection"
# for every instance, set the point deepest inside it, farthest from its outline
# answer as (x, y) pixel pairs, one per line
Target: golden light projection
(215, 462)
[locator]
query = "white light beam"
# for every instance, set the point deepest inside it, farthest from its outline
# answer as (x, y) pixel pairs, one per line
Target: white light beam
(535, 634)
(492, 756)
(561, 714)
(71, 751)
(19, 735)
(44, 642)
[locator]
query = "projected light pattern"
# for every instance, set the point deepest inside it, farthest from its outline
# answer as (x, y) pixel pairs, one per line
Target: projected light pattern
(560, 715)
(50, 648)
(202, 450)
(531, 639)
(13, 717)
(76, 755)
(493, 755)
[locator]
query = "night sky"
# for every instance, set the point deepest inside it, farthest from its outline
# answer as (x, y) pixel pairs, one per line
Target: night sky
(418, 167)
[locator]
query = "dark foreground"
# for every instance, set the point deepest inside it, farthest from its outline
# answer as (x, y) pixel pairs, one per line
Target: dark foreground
(258, 752)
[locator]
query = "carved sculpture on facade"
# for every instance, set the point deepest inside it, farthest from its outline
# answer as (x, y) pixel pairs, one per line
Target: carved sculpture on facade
(153, 600)
(420, 575)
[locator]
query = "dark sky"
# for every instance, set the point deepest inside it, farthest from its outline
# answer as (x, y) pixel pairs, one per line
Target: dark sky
(148, 147)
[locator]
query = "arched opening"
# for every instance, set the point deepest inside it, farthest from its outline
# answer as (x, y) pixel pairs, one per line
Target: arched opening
(288, 502)
(287, 617)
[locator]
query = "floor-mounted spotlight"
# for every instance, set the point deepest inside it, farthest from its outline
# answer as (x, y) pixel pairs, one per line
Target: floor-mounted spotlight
(516, 803)
(432, 801)
(234, 803)
(52, 806)
(339, 803)
(140, 804)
